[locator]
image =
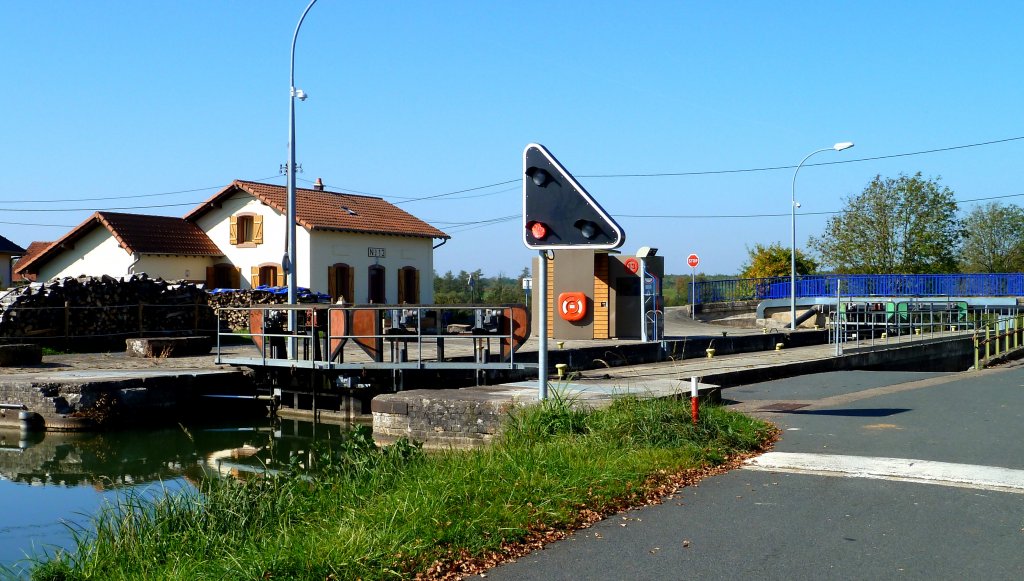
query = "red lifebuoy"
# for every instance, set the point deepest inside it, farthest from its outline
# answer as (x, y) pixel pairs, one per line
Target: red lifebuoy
(572, 306)
(632, 265)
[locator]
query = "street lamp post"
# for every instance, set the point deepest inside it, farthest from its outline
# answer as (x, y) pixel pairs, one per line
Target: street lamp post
(792, 207)
(291, 256)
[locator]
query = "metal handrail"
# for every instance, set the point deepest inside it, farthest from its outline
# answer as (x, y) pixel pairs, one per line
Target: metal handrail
(998, 333)
(318, 336)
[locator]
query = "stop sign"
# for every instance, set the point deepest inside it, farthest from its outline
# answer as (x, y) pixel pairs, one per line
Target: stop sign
(693, 260)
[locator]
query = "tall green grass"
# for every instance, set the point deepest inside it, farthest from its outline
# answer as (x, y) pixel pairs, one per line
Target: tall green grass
(363, 512)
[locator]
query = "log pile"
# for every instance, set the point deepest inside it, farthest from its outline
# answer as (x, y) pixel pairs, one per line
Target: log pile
(234, 302)
(105, 308)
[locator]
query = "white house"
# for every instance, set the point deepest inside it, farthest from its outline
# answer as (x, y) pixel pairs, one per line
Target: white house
(8, 250)
(361, 248)
(118, 244)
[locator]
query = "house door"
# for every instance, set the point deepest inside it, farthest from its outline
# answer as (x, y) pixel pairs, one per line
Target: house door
(376, 291)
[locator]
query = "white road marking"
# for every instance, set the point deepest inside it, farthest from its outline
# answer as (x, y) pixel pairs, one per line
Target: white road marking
(902, 469)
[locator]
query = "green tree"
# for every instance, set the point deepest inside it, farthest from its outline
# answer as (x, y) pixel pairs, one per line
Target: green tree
(774, 260)
(905, 225)
(993, 239)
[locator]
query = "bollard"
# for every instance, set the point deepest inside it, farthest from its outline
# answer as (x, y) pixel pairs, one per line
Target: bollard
(560, 369)
(779, 346)
(560, 344)
(710, 352)
(694, 400)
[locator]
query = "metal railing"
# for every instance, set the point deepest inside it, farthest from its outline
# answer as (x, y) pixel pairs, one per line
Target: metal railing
(996, 337)
(356, 337)
(894, 285)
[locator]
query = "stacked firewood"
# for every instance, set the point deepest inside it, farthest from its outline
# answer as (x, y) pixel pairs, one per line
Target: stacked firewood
(105, 306)
(232, 305)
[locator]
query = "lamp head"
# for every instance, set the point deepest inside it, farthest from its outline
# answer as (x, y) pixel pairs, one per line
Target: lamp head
(843, 145)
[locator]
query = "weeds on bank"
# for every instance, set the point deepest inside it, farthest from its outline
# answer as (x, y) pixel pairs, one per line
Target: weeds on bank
(359, 511)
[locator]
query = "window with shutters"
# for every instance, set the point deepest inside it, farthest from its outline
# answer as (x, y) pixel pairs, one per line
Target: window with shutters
(408, 285)
(246, 230)
(341, 282)
(223, 275)
(267, 274)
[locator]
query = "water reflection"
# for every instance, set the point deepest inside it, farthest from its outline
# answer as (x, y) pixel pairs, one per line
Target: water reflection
(48, 479)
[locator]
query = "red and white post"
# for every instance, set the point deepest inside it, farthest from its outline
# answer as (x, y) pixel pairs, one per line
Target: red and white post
(694, 400)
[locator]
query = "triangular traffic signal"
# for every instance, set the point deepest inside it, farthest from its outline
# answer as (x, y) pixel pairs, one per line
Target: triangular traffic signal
(557, 211)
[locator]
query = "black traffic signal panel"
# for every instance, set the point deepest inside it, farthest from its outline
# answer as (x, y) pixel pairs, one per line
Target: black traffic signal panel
(557, 211)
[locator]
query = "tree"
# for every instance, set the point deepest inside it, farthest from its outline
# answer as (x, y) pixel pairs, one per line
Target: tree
(906, 225)
(993, 239)
(774, 260)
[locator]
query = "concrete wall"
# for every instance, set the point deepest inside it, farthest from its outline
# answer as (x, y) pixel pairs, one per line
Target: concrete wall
(167, 267)
(217, 224)
(329, 248)
(6, 265)
(95, 254)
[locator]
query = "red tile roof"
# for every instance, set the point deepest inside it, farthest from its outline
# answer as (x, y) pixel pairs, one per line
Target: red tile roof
(323, 210)
(137, 234)
(33, 250)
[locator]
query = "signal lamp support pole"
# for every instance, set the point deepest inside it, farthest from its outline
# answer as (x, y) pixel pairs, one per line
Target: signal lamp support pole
(540, 301)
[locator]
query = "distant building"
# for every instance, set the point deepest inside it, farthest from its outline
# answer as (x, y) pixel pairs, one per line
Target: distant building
(8, 250)
(34, 248)
(357, 247)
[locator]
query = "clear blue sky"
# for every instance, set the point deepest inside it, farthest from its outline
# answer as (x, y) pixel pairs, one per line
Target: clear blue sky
(413, 99)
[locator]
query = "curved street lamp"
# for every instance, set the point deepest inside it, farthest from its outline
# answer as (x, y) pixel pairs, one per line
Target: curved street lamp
(289, 265)
(793, 206)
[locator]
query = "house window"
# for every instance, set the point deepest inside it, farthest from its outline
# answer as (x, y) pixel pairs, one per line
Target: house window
(223, 275)
(377, 286)
(408, 285)
(267, 274)
(341, 282)
(246, 230)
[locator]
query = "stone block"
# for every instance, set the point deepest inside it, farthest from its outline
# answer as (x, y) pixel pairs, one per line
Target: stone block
(160, 347)
(20, 355)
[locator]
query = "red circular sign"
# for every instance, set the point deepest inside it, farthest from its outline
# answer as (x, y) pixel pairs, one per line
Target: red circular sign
(632, 265)
(693, 260)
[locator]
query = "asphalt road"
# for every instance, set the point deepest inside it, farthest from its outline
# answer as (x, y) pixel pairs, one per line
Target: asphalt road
(778, 522)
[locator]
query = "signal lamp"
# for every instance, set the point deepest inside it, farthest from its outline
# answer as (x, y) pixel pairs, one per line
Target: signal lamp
(587, 228)
(538, 230)
(539, 176)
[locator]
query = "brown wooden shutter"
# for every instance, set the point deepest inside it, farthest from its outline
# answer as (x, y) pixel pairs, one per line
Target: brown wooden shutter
(280, 277)
(416, 297)
(233, 231)
(332, 283)
(254, 280)
(236, 278)
(401, 287)
(351, 290)
(257, 229)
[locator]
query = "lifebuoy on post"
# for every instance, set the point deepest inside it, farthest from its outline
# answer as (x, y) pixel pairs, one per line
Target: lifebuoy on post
(632, 265)
(572, 306)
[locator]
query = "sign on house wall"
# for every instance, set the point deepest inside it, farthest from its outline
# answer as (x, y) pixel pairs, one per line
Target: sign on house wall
(375, 252)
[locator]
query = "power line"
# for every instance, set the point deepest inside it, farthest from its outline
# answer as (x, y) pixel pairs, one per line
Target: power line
(123, 197)
(778, 167)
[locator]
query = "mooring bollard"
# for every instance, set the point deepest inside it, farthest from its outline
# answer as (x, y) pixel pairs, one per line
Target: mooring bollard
(710, 352)
(779, 346)
(560, 369)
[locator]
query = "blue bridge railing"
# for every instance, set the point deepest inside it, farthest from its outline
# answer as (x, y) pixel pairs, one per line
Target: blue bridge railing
(890, 285)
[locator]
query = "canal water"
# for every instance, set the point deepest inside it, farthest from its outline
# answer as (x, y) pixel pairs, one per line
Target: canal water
(52, 483)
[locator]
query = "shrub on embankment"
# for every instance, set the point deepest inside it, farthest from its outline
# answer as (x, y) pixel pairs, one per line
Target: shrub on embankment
(396, 512)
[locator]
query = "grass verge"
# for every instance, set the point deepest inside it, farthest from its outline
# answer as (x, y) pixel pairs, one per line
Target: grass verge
(363, 512)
